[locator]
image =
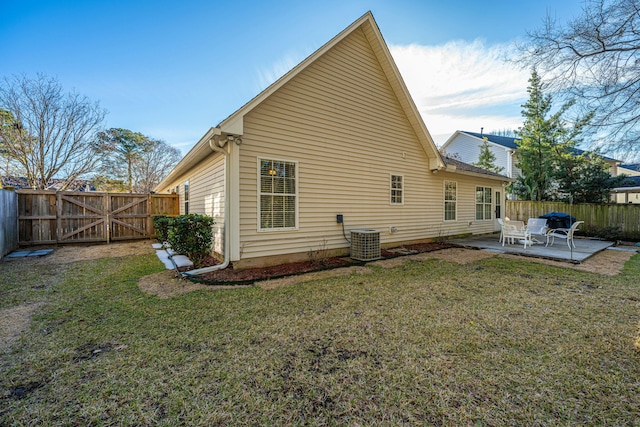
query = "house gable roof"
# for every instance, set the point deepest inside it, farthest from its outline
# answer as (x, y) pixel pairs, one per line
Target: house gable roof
(233, 125)
(466, 168)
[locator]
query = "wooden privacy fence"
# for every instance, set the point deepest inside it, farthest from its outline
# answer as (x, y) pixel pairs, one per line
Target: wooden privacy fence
(8, 221)
(626, 217)
(46, 217)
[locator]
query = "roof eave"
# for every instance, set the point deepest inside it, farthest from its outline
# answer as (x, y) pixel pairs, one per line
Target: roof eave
(482, 175)
(197, 153)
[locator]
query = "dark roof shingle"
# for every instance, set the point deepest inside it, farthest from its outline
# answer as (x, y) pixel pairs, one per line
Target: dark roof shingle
(466, 167)
(511, 142)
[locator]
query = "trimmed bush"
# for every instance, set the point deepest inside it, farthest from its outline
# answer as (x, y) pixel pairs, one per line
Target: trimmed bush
(606, 233)
(161, 224)
(192, 235)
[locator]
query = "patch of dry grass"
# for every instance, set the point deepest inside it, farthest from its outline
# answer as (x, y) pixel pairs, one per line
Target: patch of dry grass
(428, 342)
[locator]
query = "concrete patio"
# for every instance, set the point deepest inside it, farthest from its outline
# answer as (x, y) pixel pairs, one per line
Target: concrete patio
(559, 251)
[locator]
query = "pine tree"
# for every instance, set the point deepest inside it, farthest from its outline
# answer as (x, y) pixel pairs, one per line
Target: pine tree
(551, 169)
(536, 140)
(486, 159)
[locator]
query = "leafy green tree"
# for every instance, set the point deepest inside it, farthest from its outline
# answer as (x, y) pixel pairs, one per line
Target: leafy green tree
(584, 178)
(8, 128)
(486, 159)
(136, 160)
(104, 183)
(125, 148)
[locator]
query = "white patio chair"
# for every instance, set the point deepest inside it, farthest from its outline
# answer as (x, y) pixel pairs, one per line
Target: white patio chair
(515, 230)
(564, 233)
(501, 222)
(538, 227)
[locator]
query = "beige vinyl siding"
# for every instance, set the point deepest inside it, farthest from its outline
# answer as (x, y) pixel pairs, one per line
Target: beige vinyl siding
(340, 120)
(206, 193)
(466, 203)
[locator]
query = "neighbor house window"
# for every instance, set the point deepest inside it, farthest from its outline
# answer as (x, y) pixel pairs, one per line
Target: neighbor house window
(483, 203)
(186, 197)
(450, 200)
(278, 194)
(397, 190)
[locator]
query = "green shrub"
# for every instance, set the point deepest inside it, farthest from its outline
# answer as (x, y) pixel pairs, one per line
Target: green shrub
(192, 235)
(161, 224)
(606, 233)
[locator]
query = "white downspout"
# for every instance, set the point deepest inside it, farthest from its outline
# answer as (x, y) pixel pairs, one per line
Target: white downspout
(217, 145)
(510, 163)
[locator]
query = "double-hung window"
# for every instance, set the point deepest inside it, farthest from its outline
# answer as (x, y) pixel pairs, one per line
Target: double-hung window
(186, 197)
(397, 189)
(278, 194)
(450, 200)
(483, 203)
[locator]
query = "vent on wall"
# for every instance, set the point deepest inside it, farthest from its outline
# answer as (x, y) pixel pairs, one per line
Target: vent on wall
(365, 245)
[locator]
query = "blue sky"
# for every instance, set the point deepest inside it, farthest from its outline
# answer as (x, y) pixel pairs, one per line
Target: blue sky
(172, 69)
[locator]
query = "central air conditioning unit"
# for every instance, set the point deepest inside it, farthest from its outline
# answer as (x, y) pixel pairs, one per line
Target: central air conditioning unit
(365, 245)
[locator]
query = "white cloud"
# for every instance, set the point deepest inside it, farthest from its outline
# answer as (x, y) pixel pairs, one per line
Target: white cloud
(456, 86)
(266, 76)
(463, 86)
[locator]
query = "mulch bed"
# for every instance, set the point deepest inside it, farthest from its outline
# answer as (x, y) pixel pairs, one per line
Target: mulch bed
(247, 275)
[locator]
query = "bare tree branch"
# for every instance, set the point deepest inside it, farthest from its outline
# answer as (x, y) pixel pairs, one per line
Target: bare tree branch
(595, 59)
(55, 131)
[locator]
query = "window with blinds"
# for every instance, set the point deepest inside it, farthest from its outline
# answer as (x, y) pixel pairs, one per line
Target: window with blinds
(278, 195)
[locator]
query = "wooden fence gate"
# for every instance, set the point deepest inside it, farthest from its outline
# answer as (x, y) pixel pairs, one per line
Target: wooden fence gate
(47, 217)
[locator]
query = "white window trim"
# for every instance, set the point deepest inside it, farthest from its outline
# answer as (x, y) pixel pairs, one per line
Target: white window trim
(186, 196)
(444, 201)
(391, 189)
(475, 205)
(259, 193)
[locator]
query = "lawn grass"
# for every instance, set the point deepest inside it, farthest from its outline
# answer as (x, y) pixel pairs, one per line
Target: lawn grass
(496, 342)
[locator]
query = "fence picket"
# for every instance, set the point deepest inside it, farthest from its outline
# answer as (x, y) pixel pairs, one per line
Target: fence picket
(626, 217)
(46, 216)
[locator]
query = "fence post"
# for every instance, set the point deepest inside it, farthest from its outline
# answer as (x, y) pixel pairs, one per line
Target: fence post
(59, 231)
(106, 205)
(8, 221)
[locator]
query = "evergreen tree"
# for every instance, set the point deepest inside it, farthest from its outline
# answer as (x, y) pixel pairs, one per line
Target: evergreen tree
(125, 147)
(551, 168)
(546, 151)
(585, 179)
(536, 140)
(486, 159)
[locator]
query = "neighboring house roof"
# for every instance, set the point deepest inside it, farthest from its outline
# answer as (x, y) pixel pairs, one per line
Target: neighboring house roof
(505, 141)
(466, 167)
(233, 125)
(512, 143)
(631, 184)
(631, 166)
(21, 183)
(631, 181)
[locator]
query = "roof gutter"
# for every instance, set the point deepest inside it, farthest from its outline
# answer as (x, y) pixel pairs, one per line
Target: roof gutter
(625, 189)
(217, 141)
